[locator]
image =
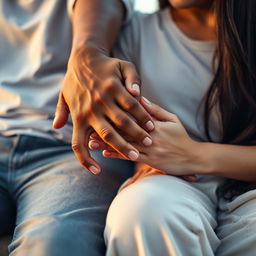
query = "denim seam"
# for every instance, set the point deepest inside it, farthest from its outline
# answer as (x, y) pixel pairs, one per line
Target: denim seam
(11, 162)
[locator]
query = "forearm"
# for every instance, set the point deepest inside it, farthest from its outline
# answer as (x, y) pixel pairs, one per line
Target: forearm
(96, 23)
(230, 161)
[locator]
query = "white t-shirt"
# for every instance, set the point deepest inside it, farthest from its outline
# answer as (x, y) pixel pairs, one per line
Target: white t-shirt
(175, 70)
(35, 43)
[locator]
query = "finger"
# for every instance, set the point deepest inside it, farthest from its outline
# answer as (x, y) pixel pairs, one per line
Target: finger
(61, 113)
(110, 136)
(112, 154)
(79, 145)
(99, 145)
(157, 112)
(136, 110)
(94, 135)
(131, 78)
(128, 126)
(127, 183)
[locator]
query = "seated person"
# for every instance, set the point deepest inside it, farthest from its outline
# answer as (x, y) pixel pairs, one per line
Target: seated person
(197, 64)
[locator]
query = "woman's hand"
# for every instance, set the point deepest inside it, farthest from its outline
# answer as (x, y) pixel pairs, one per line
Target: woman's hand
(144, 170)
(172, 151)
(95, 97)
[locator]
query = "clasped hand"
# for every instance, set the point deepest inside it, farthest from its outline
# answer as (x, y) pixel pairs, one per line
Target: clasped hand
(94, 95)
(172, 151)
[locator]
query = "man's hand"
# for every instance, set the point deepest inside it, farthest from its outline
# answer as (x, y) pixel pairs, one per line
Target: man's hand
(93, 93)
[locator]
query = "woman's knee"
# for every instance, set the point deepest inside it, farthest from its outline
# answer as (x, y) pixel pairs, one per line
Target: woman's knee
(161, 218)
(144, 205)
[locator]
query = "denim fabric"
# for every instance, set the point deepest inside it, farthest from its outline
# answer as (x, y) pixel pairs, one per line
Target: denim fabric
(58, 207)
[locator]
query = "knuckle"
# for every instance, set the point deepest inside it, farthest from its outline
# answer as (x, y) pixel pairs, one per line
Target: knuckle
(84, 163)
(139, 135)
(131, 68)
(143, 119)
(81, 117)
(128, 64)
(132, 105)
(76, 147)
(98, 99)
(106, 134)
(110, 85)
(122, 121)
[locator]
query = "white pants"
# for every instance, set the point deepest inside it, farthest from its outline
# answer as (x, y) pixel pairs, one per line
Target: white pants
(165, 215)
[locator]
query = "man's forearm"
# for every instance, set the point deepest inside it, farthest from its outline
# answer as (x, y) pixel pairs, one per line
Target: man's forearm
(230, 161)
(96, 23)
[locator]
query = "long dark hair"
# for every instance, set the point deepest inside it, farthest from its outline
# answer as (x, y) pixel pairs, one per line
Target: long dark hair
(233, 89)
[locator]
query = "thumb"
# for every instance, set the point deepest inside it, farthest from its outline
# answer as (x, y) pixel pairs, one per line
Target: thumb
(61, 113)
(157, 112)
(131, 78)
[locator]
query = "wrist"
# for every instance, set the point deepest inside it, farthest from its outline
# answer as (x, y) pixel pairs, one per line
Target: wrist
(89, 50)
(87, 53)
(203, 158)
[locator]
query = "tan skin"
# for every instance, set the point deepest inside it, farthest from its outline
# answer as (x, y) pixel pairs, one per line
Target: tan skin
(173, 152)
(94, 84)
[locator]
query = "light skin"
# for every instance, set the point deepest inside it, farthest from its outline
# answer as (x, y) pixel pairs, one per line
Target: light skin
(93, 92)
(173, 152)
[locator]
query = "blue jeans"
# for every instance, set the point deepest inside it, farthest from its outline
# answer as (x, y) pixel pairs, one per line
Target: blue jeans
(56, 207)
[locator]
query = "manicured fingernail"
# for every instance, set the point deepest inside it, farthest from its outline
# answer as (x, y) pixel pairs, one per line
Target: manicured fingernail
(146, 101)
(150, 126)
(147, 141)
(95, 144)
(94, 169)
(133, 155)
(136, 87)
(107, 153)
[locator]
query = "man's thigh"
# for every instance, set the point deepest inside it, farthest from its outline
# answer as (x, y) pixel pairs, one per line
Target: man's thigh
(61, 207)
(7, 209)
(237, 226)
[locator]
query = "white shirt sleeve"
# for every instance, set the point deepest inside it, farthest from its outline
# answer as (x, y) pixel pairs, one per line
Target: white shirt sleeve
(129, 5)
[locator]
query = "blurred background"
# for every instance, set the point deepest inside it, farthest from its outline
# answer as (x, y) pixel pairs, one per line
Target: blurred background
(146, 5)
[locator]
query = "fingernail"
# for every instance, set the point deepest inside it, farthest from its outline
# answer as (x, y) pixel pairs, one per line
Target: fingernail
(147, 141)
(95, 144)
(146, 101)
(133, 155)
(94, 169)
(136, 88)
(150, 126)
(107, 153)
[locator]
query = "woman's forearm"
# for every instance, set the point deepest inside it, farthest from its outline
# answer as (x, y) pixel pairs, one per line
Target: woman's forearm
(230, 161)
(96, 23)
